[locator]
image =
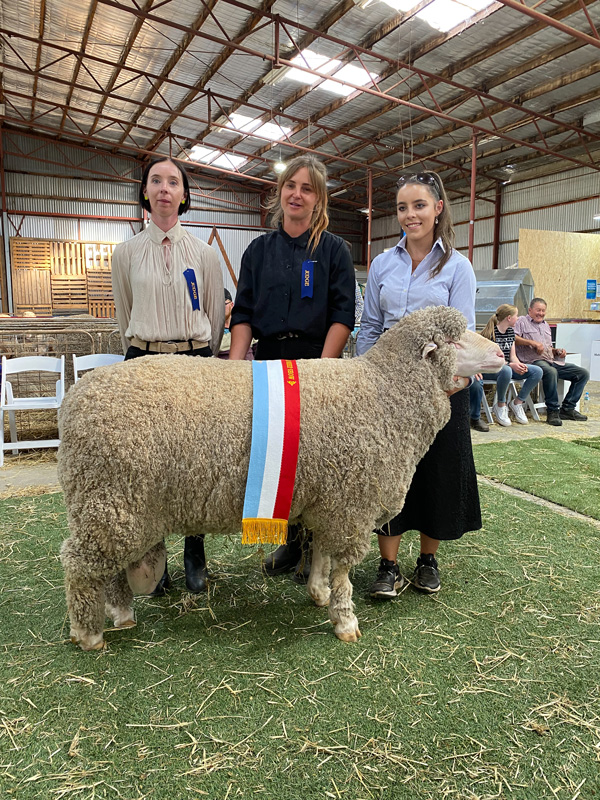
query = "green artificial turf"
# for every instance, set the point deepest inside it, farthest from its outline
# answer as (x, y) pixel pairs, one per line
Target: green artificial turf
(591, 441)
(489, 689)
(566, 473)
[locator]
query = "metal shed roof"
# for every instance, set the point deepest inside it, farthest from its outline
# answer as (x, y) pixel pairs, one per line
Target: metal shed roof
(518, 81)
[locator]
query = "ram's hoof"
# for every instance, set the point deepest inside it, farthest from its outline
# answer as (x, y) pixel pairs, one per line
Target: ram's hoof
(127, 623)
(320, 599)
(87, 641)
(101, 645)
(353, 636)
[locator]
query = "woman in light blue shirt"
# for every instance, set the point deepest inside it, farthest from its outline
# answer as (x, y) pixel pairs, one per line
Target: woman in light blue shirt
(423, 270)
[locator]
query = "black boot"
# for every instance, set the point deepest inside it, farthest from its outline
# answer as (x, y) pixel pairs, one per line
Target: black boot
(163, 586)
(194, 562)
(287, 555)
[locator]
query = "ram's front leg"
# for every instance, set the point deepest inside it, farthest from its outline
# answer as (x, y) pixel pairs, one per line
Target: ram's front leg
(119, 598)
(341, 607)
(85, 602)
(318, 582)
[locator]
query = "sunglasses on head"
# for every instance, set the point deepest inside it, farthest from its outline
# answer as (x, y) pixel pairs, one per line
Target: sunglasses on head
(427, 178)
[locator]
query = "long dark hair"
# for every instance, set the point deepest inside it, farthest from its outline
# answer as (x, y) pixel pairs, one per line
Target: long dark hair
(145, 204)
(444, 229)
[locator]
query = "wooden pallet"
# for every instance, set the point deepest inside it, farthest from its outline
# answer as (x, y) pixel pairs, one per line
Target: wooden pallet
(30, 253)
(31, 291)
(69, 292)
(102, 309)
(100, 296)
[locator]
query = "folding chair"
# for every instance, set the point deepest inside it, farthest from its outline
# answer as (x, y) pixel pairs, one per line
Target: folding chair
(10, 403)
(82, 363)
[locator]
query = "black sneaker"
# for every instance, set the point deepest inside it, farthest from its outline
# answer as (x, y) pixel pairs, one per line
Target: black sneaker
(388, 581)
(479, 425)
(426, 576)
(572, 413)
(553, 418)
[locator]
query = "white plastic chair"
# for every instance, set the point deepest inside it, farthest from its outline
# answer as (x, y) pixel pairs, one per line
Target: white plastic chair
(511, 393)
(82, 363)
(10, 403)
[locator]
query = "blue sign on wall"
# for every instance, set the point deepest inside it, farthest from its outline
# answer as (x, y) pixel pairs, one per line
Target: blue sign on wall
(591, 289)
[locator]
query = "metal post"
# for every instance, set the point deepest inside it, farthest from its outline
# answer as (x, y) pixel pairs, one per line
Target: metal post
(369, 220)
(472, 206)
(8, 301)
(497, 216)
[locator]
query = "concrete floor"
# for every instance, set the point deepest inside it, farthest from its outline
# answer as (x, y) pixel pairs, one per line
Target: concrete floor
(34, 472)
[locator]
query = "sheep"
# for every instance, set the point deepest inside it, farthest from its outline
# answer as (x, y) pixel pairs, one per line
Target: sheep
(161, 445)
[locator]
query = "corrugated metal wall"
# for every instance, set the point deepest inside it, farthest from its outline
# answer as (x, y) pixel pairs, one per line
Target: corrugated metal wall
(45, 178)
(565, 202)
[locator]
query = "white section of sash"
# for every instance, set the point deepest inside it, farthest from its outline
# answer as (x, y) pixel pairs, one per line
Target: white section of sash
(270, 484)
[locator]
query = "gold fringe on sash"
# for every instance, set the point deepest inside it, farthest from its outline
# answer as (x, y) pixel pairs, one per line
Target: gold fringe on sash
(264, 531)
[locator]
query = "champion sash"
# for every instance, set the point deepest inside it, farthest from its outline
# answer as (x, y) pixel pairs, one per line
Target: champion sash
(273, 453)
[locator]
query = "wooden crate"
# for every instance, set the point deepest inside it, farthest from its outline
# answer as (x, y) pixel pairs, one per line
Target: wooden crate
(69, 292)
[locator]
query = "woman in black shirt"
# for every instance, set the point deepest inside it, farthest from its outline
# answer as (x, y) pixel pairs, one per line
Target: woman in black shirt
(295, 295)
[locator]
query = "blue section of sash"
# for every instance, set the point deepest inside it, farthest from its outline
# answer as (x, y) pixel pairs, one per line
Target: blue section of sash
(192, 283)
(260, 428)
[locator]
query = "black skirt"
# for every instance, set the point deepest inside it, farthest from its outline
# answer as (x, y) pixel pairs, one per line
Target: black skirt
(443, 499)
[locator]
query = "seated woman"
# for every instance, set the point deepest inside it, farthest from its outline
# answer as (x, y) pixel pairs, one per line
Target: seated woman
(500, 330)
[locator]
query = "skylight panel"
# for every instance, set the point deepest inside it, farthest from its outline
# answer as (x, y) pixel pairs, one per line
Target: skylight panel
(312, 60)
(229, 161)
(273, 131)
(447, 14)
(355, 75)
(204, 154)
(400, 5)
(240, 122)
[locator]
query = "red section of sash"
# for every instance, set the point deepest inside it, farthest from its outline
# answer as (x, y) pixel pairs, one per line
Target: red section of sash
(291, 441)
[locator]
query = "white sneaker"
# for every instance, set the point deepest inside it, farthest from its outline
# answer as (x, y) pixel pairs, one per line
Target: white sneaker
(518, 410)
(501, 415)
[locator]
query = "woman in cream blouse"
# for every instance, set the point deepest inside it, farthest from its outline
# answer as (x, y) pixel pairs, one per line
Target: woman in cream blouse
(168, 290)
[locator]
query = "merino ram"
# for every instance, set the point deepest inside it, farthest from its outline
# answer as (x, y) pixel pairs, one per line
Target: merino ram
(157, 446)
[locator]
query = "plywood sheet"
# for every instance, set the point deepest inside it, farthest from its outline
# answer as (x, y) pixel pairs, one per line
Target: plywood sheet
(560, 264)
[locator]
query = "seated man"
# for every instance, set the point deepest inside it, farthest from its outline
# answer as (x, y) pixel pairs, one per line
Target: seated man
(534, 346)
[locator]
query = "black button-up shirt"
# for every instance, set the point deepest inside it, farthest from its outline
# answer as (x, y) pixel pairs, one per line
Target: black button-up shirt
(270, 283)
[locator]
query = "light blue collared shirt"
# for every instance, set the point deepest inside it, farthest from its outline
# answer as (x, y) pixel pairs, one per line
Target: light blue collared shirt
(393, 290)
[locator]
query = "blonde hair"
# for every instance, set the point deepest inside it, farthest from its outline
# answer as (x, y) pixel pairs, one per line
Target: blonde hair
(318, 179)
(502, 312)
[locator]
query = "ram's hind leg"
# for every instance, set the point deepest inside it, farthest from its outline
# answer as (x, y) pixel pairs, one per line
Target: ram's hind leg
(119, 598)
(341, 607)
(318, 582)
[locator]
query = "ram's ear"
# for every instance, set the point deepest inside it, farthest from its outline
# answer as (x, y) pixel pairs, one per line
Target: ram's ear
(428, 348)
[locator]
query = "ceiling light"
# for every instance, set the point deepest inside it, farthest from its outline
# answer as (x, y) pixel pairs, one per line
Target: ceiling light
(364, 210)
(279, 167)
